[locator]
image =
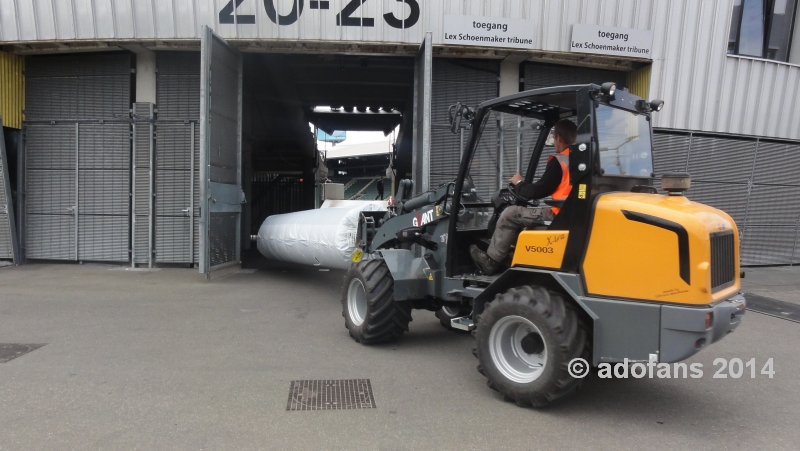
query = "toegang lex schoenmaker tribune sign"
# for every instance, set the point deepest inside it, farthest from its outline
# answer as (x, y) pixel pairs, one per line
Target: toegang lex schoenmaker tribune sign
(487, 31)
(613, 41)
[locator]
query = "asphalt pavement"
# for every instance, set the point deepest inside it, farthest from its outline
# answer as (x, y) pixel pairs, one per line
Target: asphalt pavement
(160, 360)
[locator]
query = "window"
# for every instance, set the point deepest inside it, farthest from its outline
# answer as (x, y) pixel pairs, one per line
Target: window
(624, 140)
(762, 28)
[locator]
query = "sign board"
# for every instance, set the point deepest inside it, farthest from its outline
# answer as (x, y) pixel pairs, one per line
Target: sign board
(613, 41)
(487, 31)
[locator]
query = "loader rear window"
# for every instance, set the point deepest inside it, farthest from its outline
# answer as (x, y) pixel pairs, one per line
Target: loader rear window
(624, 139)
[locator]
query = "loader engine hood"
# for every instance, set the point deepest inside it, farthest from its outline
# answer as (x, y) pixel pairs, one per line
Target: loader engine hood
(661, 248)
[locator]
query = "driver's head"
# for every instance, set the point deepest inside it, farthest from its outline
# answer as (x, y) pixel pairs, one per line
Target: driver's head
(565, 133)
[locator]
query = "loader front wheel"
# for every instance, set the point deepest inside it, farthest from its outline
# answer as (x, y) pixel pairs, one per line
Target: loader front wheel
(525, 339)
(371, 314)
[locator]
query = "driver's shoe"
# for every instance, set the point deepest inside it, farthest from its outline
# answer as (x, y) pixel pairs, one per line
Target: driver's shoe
(483, 261)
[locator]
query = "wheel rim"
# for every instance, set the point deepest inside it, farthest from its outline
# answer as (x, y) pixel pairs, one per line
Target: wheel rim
(451, 311)
(357, 302)
(518, 349)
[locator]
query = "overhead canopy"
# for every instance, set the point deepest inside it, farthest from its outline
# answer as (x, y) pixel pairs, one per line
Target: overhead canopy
(376, 121)
(361, 149)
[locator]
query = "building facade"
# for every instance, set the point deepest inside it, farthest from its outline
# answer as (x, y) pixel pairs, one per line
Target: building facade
(113, 124)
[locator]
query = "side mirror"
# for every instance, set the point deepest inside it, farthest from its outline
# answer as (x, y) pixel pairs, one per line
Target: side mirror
(455, 117)
(458, 112)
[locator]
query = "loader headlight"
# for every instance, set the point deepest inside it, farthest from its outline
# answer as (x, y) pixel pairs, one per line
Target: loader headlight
(656, 105)
(608, 89)
(675, 183)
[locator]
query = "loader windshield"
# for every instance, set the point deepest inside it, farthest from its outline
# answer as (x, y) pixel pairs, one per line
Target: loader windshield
(624, 139)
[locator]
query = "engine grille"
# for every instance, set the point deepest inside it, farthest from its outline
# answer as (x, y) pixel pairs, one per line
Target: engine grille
(723, 260)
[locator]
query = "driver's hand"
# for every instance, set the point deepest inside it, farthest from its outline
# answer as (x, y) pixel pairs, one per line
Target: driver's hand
(516, 179)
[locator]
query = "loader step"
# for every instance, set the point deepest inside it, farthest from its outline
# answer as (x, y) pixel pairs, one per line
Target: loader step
(462, 323)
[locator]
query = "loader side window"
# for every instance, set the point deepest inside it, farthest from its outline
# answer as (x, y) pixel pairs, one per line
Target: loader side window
(624, 139)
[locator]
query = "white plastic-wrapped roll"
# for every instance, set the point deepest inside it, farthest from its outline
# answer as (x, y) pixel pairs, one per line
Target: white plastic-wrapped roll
(325, 237)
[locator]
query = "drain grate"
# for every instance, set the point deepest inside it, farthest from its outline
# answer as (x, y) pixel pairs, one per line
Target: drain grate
(331, 395)
(10, 351)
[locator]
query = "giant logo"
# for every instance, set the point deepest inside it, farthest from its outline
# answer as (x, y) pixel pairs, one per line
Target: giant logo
(347, 17)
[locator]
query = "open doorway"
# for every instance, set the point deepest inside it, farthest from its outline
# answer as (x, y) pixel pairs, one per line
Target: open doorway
(288, 96)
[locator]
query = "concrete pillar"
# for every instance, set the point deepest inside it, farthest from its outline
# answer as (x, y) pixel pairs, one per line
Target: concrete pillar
(509, 77)
(145, 73)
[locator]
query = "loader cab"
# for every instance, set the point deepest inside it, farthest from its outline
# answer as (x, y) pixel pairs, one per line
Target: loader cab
(612, 152)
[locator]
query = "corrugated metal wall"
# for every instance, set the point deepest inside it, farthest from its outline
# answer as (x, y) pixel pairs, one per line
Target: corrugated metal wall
(77, 157)
(753, 180)
(704, 89)
(12, 89)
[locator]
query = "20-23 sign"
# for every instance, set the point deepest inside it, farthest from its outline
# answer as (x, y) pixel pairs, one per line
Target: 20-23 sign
(344, 18)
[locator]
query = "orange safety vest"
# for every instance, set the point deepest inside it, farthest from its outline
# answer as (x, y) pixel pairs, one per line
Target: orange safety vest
(564, 187)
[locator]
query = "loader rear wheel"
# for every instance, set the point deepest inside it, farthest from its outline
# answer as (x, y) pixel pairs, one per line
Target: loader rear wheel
(525, 339)
(446, 313)
(371, 314)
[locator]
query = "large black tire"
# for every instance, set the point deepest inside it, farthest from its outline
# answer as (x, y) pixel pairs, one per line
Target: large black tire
(445, 314)
(376, 317)
(561, 337)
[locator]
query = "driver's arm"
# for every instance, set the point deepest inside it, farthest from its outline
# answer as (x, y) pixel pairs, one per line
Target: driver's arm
(545, 186)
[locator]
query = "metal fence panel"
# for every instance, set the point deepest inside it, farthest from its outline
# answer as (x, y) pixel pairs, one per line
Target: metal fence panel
(142, 245)
(757, 182)
(670, 153)
(728, 197)
(768, 245)
(714, 158)
(773, 205)
(50, 237)
(777, 163)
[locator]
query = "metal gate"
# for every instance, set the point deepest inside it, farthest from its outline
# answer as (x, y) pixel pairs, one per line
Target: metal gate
(421, 142)
(77, 190)
(167, 164)
(77, 141)
(9, 249)
(221, 194)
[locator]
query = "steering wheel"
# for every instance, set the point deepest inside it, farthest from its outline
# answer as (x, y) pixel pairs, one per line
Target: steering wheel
(512, 189)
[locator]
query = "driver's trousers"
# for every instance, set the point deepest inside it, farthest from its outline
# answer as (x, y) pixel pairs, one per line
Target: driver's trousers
(513, 220)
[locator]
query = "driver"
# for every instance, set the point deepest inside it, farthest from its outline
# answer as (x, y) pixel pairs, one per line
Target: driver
(554, 182)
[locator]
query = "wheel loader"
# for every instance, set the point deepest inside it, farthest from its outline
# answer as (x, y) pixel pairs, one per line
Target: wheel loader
(624, 272)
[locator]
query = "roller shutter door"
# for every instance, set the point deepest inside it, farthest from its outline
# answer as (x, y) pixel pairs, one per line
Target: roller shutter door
(548, 75)
(470, 82)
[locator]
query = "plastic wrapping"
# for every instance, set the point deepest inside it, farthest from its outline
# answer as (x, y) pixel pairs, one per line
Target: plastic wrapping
(324, 237)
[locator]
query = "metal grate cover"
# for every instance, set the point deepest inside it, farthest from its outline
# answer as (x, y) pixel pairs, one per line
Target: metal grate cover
(723, 260)
(330, 395)
(10, 351)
